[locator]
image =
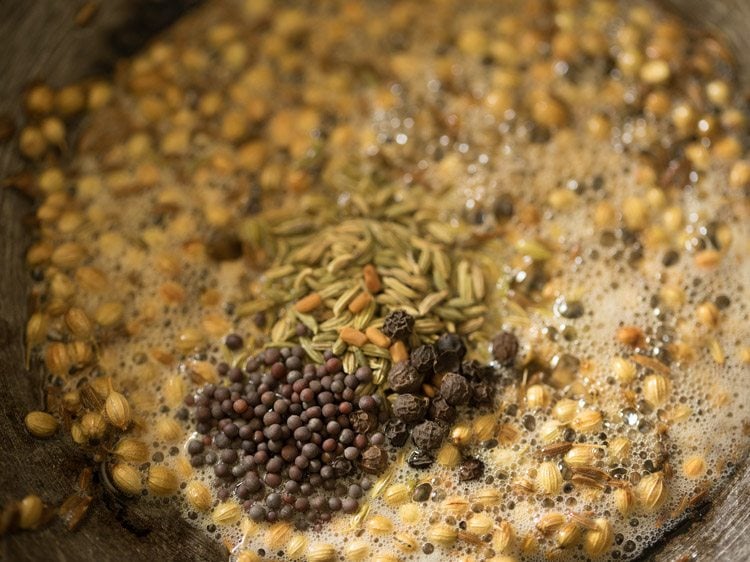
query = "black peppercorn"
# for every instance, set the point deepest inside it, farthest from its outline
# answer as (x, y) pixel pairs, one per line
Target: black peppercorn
(481, 393)
(420, 460)
(428, 435)
(410, 408)
(505, 348)
(470, 469)
(455, 389)
(374, 460)
(403, 377)
(474, 370)
(423, 358)
(398, 325)
(362, 422)
(396, 432)
(451, 342)
(440, 410)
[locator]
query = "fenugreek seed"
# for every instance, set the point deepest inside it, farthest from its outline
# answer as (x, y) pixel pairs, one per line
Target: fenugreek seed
(480, 524)
(537, 396)
(455, 505)
(198, 495)
(619, 449)
(308, 303)
(549, 478)
(629, 335)
(226, 513)
(398, 352)
(694, 467)
(597, 541)
(30, 511)
(357, 550)
(127, 479)
(587, 421)
(118, 410)
(708, 314)
(321, 552)
(379, 525)
(651, 491)
(296, 546)
(41, 424)
(624, 500)
(565, 410)
(93, 425)
(352, 336)
(396, 494)
(550, 522)
(623, 370)
(409, 513)
(502, 537)
(377, 337)
(442, 534)
(655, 389)
(162, 481)
(568, 535)
(360, 302)
(131, 450)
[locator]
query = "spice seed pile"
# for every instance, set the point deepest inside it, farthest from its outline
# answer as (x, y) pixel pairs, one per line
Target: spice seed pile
(366, 281)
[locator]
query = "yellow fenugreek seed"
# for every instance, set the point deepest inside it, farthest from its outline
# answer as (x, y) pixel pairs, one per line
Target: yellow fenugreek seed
(226, 513)
(619, 449)
(30, 511)
(357, 550)
(117, 409)
(480, 524)
(655, 389)
(372, 279)
(568, 535)
(396, 495)
(308, 303)
(708, 314)
(398, 352)
(623, 370)
(448, 456)
(41, 424)
(624, 500)
(131, 450)
(598, 540)
(375, 336)
(550, 522)
(442, 533)
(352, 336)
(565, 410)
(162, 481)
(379, 525)
(127, 479)
(549, 478)
(651, 491)
(321, 552)
(198, 495)
(694, 467)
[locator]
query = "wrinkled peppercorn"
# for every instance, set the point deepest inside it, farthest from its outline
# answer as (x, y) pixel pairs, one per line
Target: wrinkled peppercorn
(474, 370)
(396, 432)
(362, 422)
(470, 469)
(451, 342)
(422, 359)
(428, 435)
(481, 393)
(374, 460)
(446, 362)
(420, 460)
(398, 325)
(455, 389)
(505, 348)
(410, 408)
(440, 410)
(403, 377)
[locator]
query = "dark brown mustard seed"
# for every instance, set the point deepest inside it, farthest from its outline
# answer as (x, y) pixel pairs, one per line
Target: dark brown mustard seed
(404, 377)
(455, 389)
(410, 408)
(505, 348)
(398, 325)
(428, 435)
(234, 342)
